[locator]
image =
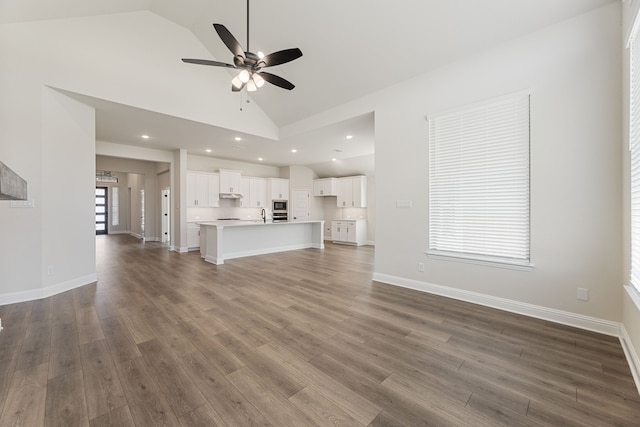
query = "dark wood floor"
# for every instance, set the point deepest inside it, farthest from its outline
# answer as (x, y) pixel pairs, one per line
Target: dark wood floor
(301, 338)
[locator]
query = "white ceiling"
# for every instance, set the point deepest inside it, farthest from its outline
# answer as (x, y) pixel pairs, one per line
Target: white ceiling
(350, 48)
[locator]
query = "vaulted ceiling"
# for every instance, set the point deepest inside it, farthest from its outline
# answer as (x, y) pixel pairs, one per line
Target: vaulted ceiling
(350, 48)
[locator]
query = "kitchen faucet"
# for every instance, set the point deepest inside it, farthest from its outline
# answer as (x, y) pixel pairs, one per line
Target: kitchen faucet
(264, 216)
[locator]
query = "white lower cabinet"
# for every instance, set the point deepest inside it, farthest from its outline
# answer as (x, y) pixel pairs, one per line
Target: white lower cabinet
(349, 232)
(193, 236)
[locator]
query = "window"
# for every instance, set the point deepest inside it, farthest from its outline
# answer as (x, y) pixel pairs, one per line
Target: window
(634, 148)
(115, 207)
(479, 182)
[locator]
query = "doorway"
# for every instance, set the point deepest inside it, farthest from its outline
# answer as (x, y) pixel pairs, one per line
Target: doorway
(166, 217)
(101, 210)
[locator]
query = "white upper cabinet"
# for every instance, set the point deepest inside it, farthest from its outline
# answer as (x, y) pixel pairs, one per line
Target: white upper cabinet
(202, 189)
(277, 189)
(254, 192)
(230, 181)
(258, 192)
(325, 187)
(352, 192)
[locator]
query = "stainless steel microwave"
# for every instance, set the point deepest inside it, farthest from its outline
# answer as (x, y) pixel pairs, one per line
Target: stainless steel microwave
(279, 206)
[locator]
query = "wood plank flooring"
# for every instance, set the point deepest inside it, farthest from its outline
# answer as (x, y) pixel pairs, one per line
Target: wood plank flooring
(301, 338)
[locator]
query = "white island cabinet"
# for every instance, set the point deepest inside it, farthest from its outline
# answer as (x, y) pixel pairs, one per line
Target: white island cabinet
(223, 240)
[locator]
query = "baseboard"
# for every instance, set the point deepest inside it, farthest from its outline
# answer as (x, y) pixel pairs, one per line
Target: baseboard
(119, 232)
(558, 316)
(36, 294)
(631, 355)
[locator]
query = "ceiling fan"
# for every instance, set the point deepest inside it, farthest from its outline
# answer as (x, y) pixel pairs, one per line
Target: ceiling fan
(250, 64)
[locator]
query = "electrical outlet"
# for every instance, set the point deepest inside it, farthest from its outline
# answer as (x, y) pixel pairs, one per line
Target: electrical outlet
(421, 266)
(583, 294)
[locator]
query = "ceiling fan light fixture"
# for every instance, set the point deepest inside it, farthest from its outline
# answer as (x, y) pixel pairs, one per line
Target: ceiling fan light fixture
(244, 76)
(258, 80)
(251, 86)
(236, 82)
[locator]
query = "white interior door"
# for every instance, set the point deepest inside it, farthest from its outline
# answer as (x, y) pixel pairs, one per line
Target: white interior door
(165, 216)
(299, 205)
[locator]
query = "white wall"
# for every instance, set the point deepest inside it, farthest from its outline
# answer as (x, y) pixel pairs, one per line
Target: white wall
(49, 248)
(630, 297)
(573, 70)
(50, 140)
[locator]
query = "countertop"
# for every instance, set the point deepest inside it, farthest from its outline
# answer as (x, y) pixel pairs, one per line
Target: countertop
(242, 223)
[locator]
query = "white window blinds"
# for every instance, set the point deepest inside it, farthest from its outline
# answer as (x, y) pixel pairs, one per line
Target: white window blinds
(634, 147)
(479, 181)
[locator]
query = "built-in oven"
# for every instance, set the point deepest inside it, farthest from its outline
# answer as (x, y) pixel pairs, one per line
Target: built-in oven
(279, 210)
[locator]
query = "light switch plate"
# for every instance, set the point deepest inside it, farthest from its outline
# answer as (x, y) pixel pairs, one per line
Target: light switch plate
(23, 203)
(403, 203)
(583, 294)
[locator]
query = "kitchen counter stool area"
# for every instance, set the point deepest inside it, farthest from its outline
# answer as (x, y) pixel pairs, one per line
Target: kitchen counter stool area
(222, 240)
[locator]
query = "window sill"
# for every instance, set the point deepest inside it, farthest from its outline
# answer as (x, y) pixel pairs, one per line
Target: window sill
(634, 294)
(480, 260)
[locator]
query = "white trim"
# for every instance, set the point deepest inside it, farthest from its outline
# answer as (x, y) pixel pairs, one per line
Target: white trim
(480, 260)
(631, 355)
(633, 294)
(558, 316)
(49, 291)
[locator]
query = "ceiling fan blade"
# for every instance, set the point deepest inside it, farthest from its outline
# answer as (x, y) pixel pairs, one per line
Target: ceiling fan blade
(207, 62)
(229, 40)
(281, 57)
(276, 80)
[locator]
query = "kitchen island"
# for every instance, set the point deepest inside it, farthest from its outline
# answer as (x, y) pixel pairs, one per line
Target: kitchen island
(222, 240)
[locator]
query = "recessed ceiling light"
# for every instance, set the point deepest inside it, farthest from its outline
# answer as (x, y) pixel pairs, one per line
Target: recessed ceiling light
(334, 159)
(145, 136)
(349, 136)
(208, 150)
(260, 159)
(237, 138)
(294, 151)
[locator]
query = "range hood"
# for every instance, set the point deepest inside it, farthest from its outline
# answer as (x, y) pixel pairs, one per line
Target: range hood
(12, 187)
(230, 196)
